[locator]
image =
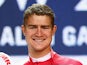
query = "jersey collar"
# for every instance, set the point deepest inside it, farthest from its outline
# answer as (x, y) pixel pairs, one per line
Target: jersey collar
(41, 59)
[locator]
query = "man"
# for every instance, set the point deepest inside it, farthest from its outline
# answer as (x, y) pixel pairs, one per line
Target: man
(38, 28)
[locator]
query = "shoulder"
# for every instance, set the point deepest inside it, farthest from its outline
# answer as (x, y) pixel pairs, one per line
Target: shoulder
(26, 63)
(58, 59)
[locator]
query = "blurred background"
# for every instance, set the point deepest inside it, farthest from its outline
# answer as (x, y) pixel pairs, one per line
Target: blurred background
(70, 39)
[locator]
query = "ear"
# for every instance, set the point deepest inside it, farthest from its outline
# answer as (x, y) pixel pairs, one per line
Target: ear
(54, 29)
(23, 29)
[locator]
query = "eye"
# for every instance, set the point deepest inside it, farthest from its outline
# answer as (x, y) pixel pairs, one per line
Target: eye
(32, 27)
(45, 27)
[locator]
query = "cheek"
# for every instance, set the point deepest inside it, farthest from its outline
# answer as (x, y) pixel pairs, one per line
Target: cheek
(48, 33)
(28, 33)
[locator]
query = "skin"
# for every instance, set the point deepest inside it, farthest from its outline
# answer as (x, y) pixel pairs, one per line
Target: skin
(38, 33)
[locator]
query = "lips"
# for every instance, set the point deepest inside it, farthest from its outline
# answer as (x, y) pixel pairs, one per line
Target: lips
(38, 40)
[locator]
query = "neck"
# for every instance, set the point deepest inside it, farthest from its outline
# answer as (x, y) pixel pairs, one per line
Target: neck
(38, 54)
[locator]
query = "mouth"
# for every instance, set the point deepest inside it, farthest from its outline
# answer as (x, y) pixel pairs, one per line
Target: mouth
(38, 40)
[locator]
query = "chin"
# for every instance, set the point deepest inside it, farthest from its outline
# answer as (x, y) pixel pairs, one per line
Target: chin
(39, 49)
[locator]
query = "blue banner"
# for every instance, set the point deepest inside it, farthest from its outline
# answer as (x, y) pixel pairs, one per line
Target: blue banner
(71, 20)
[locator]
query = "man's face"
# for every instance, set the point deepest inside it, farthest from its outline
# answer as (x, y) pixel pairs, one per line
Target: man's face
(38, 32)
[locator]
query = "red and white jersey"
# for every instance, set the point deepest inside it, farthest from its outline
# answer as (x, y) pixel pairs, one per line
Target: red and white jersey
(52, 59)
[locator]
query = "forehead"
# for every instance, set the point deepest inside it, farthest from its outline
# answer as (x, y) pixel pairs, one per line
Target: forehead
(39, 20)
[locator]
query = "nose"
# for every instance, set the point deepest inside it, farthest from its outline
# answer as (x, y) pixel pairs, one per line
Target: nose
(39, 32)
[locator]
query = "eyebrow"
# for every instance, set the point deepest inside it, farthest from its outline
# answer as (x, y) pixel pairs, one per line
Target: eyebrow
(37, 25)
(32, 25)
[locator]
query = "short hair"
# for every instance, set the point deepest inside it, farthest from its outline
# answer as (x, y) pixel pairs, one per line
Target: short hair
(39, 9)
